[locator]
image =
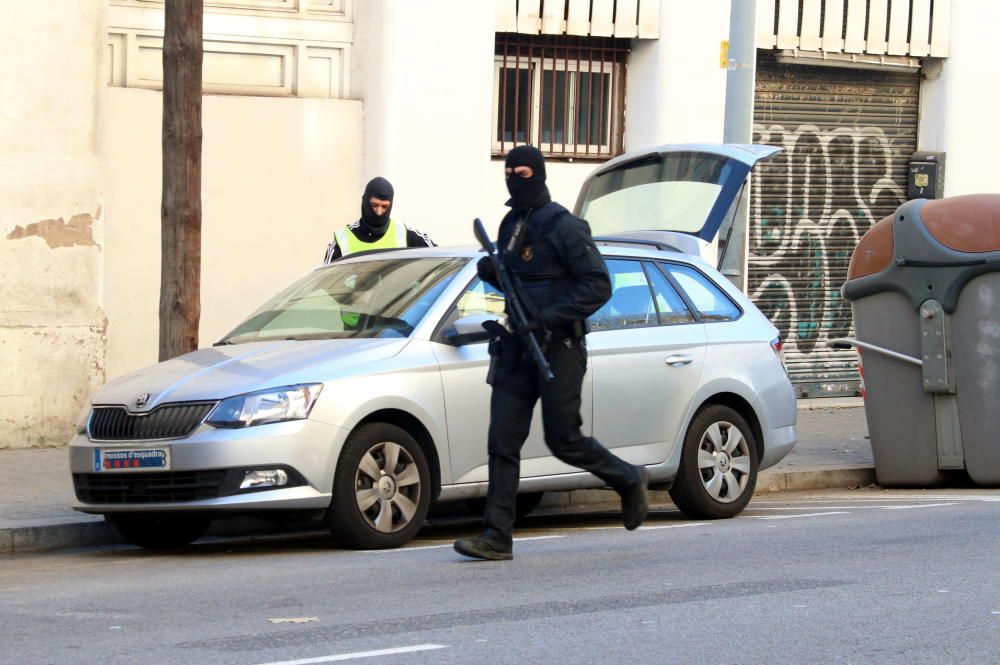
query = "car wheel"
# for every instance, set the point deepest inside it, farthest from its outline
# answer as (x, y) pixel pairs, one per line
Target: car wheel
(381, 490)
(159, 532)
(718, 470)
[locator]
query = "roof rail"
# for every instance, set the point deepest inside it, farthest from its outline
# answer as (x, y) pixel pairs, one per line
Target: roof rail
(647, 242)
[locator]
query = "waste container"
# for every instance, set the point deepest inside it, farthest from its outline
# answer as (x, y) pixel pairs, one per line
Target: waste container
(924, 287)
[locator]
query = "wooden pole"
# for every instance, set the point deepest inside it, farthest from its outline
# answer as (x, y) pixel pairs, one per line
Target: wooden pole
(180, 207)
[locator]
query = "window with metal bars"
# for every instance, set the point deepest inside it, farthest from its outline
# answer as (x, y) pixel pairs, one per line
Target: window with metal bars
(565, 95)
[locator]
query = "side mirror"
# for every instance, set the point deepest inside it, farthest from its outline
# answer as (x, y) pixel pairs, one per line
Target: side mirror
(469, 329)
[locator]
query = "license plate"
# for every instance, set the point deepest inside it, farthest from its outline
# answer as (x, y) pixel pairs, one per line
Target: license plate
(135, 459)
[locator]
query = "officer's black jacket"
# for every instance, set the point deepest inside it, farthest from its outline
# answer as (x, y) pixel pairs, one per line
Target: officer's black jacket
(558, 264)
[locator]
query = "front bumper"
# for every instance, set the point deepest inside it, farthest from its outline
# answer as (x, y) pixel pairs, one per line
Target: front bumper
(307, 448)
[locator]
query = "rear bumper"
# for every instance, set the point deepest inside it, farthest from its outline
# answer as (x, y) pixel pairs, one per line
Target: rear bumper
(778, 443)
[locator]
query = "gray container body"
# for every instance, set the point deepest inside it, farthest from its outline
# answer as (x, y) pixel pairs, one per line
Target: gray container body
(901, 420)
(940, 304)
(976, 353)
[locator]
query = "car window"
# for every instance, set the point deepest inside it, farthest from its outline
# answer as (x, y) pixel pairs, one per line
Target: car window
(371, 298)
(712, 304)
(671, 306)
(631, 302)
(480, 298)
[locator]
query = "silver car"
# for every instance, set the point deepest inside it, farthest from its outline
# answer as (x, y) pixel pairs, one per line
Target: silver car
(359, 392)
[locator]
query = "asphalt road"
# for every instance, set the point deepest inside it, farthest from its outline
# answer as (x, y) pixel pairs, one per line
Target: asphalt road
(865, 576)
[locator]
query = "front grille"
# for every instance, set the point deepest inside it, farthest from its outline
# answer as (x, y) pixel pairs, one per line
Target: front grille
(159, 487)
(170, 421)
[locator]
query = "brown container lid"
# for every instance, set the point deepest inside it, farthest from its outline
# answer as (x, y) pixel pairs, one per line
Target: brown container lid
(874, 251)
(968, 223)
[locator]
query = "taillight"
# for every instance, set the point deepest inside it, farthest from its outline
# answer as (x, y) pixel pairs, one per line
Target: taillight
(776, 346)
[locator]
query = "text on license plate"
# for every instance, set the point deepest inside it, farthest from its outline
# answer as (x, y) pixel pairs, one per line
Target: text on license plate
(130, 460)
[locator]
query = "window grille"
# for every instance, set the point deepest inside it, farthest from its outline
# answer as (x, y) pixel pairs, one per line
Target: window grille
(565, 95)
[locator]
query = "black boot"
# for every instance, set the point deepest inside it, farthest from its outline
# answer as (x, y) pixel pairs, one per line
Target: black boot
(635, 502)
(482, 547)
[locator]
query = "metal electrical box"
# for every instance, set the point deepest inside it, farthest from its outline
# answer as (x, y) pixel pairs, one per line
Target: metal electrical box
(925, 176)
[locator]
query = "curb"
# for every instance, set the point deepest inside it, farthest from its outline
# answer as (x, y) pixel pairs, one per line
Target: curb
(95, 533)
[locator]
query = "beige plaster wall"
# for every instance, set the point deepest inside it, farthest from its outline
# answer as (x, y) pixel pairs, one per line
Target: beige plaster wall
(278, 176)
(51, 219)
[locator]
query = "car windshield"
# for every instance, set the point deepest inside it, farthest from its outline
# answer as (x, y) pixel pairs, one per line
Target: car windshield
(674, 191)
(375, 298)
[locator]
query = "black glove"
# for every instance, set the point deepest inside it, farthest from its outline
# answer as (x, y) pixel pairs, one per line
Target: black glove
(496, 329)
(484, 268)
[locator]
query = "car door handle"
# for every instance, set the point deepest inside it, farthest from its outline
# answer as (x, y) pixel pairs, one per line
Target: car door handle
(679, 360)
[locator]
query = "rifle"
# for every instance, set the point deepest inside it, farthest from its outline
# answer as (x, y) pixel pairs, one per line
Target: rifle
(515, 308)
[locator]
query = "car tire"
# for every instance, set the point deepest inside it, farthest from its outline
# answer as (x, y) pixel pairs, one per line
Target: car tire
(718, 469)
(381, 489)
(155, 531)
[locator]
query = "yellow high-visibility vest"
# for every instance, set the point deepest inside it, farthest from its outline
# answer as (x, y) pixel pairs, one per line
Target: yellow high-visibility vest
(393, 238)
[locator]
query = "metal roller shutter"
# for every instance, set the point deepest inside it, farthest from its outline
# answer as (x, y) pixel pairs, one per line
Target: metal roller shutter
(847, 135)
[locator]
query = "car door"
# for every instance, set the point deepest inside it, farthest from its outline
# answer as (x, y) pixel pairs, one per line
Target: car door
(467, 397)
(647, 351)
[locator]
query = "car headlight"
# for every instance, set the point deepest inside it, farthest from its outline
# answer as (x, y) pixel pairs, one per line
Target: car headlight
(266, 406)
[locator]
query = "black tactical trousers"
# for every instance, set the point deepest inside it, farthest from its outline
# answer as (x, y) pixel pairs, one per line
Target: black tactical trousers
(515, 391)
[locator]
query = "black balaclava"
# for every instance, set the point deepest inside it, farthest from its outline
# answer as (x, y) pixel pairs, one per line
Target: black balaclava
(527, 193)
(379, 188)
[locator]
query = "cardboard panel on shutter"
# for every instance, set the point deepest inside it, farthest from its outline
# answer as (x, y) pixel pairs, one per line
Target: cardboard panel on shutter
(878, 18)
(899, 25)
(626, 13)
(941, 29)
(847, 135)
(578, 21)
(809, 38)
(854, 38)
(529, 19)
(765, 24)
(833, 26)
(552, 17)
(788, 24)
(649, 19)
(506, 15)
(920, 28)
(602, 18)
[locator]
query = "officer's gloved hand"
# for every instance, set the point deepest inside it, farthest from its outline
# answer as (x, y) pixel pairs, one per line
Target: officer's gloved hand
(496, 329)
(484, 268)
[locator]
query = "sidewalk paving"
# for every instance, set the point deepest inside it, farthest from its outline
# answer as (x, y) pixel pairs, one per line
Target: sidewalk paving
(36, 493)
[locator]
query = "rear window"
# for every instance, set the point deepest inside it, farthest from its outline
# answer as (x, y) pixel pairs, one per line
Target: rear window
(708, 299)
(676, 191)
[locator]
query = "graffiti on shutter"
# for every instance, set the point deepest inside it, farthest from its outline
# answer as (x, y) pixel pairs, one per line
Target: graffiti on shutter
(847, 135)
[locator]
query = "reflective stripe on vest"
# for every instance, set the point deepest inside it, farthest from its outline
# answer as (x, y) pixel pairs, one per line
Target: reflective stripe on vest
(393, 238)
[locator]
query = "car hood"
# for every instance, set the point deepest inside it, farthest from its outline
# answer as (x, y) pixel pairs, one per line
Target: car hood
(685, 188)
(223, 371)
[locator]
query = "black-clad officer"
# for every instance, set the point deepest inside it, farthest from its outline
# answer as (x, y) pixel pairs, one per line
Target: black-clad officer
(565, 280)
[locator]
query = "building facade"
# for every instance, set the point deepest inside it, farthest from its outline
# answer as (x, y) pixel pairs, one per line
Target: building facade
(305, 100)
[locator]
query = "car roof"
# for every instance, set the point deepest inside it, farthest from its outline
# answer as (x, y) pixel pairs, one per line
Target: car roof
(473, 251)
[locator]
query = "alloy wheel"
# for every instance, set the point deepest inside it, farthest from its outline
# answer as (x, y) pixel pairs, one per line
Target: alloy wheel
(387, 487)
(724, 461)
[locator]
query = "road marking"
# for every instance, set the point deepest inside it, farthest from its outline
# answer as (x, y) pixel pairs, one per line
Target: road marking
(788, 517)
(917, 505)
(360, 654)
(887, 499)
(645, 528)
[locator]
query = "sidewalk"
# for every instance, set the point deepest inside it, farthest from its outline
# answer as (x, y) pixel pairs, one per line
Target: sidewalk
(36, 493)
